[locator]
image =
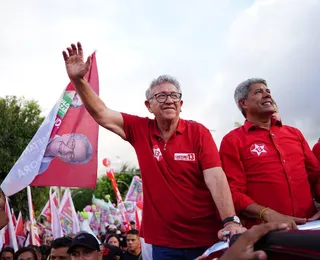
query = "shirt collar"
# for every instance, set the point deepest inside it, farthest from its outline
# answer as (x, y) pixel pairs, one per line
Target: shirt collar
(247, 125)
(180, 129)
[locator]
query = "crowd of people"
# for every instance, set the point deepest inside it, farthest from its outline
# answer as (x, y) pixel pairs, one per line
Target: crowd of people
(114, 244)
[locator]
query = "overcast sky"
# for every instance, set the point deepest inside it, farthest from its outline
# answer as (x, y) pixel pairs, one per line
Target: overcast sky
(208, 45)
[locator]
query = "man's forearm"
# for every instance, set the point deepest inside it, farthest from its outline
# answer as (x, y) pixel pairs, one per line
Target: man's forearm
(254, 210)
(219, 188)
(94, 105)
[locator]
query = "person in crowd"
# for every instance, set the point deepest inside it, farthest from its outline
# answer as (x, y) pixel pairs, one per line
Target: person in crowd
(7, 253)
(85, 246)
(45, 251)
(3, 215)
(25, 253)
(123, 238)
(113, 240)
(132, 224)
(268, 163)
(59, 249)
(179, 163)
(37, 250)
(110, 252)
(134, 248)
(316, 149)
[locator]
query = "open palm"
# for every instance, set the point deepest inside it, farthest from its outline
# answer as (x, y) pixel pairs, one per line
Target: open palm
(76, 67)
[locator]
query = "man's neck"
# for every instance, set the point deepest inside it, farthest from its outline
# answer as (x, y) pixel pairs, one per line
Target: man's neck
(167, 128)
(262, 122)
(135, 252)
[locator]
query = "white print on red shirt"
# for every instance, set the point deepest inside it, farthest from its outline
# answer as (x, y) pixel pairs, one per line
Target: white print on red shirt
(190, 157)
(258, 149)
(157, 153)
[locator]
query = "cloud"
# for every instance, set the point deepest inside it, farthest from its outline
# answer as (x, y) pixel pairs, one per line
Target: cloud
(210, 47)
(278, 41)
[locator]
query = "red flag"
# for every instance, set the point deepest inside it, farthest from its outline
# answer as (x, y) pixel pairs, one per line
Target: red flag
(21, 237)
(14, 219)
(46, 211)
(10, 232)
(70, 159)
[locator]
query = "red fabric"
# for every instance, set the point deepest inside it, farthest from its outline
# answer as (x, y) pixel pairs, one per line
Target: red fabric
(270, 168)
(77, 120)
(316, 150)
(178, 210)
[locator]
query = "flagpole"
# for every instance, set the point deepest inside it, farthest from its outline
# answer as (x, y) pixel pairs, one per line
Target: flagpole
(31, 217)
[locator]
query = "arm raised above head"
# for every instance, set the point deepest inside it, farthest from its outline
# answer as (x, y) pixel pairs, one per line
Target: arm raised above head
(77, 69)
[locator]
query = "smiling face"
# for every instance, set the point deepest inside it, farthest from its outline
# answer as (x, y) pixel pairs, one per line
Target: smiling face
(167, 110)
(69, 148)
(259, 102)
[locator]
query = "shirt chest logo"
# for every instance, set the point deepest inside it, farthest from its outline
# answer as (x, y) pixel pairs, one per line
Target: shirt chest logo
(157, 152)
(190, 157)
(258, 149)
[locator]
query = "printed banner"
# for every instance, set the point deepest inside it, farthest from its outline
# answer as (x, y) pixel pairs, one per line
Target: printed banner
(135, 190)
(70, 159)
(68, 215)
(64, 147)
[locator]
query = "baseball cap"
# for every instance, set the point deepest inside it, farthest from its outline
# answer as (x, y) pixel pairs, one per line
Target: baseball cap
(84, 240)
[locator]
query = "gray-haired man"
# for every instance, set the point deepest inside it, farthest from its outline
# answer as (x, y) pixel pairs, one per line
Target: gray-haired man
(185, 189)
(268, 163)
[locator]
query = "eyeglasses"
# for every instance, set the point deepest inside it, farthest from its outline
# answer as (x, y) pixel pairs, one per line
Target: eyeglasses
(163, 97)
(71, 144)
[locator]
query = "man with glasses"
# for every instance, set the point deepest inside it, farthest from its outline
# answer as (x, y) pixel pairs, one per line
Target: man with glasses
(185, 189)
(71, 148)
(85, 246)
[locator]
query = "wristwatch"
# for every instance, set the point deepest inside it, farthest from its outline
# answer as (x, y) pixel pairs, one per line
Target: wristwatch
(234, 219)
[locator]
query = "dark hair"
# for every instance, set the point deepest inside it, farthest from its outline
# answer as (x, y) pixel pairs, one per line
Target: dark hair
(7, 249)
(24, 250)
(133, 232)
(35, 248)
(132, 222)
(61, 242)
(110, 236)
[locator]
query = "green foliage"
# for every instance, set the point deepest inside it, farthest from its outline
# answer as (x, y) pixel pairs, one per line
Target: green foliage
(19, 121)
(237, 124)
(81, 198)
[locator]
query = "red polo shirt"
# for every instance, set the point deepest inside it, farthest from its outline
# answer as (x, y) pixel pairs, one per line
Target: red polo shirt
(269, 168)
(316, 150)
(178, 209)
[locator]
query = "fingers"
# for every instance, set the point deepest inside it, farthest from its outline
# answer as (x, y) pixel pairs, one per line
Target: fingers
(314, 217)
(300, 220)
(70, 51)
(256, 232)
(258, 255)
(88, 62)
(80, 50)
(65, 56)
(74, 49)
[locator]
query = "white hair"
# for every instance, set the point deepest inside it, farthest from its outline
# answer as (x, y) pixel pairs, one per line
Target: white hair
(162, 79)
(243, 89)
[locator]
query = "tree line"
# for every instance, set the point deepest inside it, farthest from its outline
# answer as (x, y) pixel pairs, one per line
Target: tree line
(19, 121)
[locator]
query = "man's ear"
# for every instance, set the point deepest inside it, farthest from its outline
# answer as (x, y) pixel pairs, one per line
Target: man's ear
(147, 104)
(100, 255)
(242, 104)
